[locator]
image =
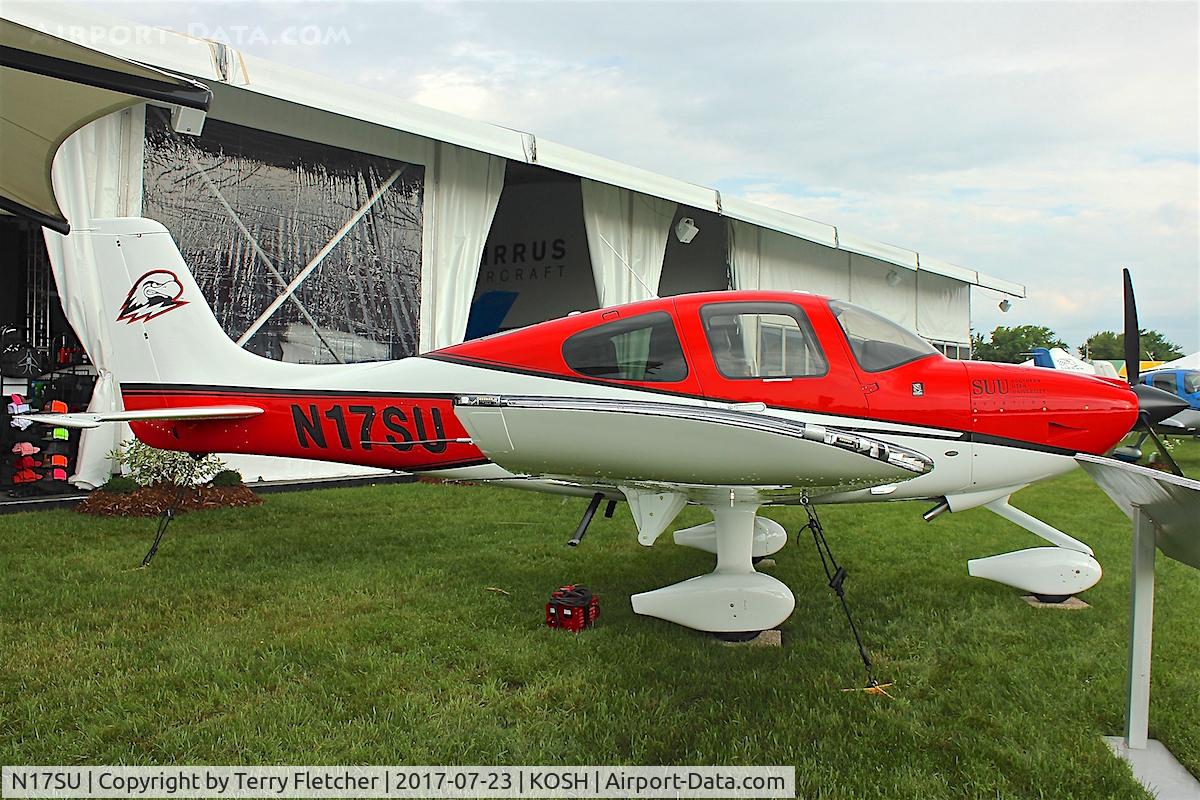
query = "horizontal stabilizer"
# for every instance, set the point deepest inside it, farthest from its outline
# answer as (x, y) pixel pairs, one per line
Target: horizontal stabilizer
(87, 419)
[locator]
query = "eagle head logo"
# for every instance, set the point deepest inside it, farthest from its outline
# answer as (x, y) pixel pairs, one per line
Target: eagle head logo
(152, 295)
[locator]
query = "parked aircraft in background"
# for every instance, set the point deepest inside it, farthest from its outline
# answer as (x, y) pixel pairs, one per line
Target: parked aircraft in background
(1058, 358)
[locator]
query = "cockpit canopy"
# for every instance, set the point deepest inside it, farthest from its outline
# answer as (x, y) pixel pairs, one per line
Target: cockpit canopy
(877, 342)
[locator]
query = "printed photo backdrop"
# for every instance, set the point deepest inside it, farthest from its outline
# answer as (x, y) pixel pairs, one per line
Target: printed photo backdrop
(291, 197)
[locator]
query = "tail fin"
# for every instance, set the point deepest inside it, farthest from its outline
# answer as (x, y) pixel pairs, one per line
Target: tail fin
(160, 327)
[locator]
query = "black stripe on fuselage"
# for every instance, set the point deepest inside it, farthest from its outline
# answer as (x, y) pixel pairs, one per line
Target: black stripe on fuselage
(935, 432)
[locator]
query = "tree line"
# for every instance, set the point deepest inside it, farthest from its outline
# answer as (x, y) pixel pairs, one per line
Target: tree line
(1014, 344)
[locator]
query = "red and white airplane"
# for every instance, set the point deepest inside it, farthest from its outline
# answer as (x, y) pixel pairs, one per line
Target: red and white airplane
(730, 400)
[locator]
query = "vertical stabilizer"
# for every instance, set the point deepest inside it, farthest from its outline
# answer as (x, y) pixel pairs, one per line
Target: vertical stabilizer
(161, 328)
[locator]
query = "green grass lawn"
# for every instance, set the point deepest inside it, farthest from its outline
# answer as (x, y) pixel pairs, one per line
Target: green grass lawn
(356, 626)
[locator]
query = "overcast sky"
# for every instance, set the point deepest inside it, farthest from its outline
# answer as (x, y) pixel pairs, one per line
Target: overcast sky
(1049, 144)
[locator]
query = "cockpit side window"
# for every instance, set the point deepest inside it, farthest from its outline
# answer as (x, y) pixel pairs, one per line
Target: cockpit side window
(645, 348)
(1191, 381)
(878, 343)
(762, 340)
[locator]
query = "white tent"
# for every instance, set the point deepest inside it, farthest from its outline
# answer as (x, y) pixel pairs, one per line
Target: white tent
(624, 224)
(1187, 362)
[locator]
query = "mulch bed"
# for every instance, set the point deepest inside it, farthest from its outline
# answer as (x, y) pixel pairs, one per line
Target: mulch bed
(153, 500)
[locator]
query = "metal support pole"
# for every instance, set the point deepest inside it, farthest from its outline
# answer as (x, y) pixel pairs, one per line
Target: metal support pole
(1141, 629)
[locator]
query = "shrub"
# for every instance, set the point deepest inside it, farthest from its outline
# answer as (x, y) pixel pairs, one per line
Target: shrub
(227, 478)
(148, 465)
(119, 484)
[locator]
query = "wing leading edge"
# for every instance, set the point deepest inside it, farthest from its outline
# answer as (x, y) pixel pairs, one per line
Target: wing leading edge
(689, 447)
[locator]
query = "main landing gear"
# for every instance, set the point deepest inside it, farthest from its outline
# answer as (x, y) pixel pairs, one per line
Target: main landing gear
(733, 599)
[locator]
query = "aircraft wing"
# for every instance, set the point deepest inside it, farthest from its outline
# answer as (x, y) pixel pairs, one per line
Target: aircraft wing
(87, 419)
(661, 444)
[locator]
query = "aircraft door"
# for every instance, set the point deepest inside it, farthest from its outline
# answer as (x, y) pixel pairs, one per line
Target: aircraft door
(772, 352)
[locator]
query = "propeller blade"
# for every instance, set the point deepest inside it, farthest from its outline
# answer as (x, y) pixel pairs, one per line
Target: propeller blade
(1133, 344)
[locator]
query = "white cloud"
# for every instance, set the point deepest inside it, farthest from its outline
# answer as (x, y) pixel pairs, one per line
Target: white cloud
(1047, 143)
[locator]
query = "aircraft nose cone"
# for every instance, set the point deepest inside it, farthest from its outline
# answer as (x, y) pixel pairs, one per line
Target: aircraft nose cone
(1157, 404)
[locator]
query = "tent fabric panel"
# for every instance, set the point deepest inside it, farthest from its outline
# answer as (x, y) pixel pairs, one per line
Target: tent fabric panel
(884, 252)
(467, 187)
(627, 239)
(943, 308)
(1001, 285)
(789, 262)
(948, 270)
(766, 259)
(869, 288)
(782, 221)
(89, 173)
(36, 115)
(239, 106)
(624, 176)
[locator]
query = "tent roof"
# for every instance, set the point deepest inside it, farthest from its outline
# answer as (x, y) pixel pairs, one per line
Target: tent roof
(1186, 362)
(212, 61)
(53, 87)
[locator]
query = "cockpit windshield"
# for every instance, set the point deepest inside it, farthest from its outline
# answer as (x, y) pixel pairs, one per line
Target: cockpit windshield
(877, 342)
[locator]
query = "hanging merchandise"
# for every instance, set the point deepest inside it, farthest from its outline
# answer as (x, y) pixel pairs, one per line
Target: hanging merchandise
(18, 405)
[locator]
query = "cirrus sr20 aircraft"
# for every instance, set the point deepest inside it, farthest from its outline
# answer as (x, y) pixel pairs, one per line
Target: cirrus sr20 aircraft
(730, 400)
